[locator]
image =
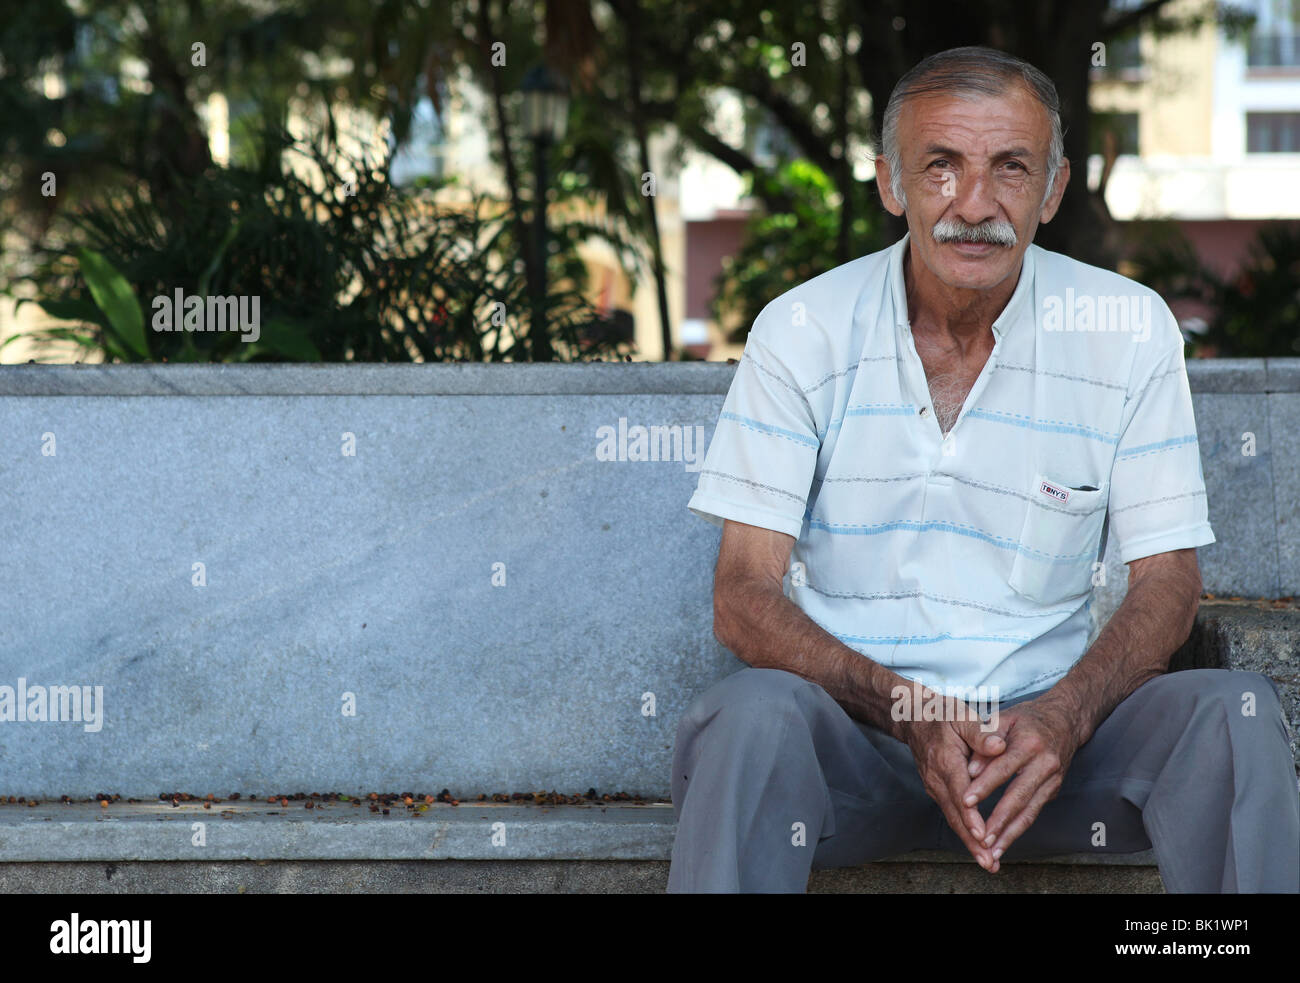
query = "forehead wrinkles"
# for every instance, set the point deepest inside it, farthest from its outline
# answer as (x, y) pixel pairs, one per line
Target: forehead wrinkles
(975, 125)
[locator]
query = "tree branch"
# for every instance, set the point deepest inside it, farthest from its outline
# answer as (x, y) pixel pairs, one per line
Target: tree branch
(737, 160)
(796, 123)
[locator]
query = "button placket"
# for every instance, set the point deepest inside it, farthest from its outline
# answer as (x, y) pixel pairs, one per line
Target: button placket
(921, 386)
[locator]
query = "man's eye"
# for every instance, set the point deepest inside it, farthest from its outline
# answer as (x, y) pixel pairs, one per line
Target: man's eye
(1016, 164)
(939, 163)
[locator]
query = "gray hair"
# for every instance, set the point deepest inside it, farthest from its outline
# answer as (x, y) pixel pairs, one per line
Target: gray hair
(973, 69)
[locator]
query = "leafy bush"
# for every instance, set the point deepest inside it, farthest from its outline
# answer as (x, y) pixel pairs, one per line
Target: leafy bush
(346, 266)
(784, 248)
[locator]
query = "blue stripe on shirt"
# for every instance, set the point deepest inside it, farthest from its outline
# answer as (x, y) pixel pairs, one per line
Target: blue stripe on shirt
(752, 424)
(929, 639)
(1158, 446)
(934, 525)
(1016, 420)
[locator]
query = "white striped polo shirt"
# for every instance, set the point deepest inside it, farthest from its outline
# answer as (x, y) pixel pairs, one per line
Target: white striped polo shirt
(969, 560)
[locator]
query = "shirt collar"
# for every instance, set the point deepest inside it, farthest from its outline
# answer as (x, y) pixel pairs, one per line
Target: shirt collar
(1004, 321)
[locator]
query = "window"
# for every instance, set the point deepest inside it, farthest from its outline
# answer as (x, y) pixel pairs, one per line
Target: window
(1273, 51)
(1123, 57)
(1275, 40)
(1273, 133)
(1123, 53)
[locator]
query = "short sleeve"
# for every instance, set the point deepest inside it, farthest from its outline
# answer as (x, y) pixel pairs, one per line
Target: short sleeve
(1157, 493)
(763, 455)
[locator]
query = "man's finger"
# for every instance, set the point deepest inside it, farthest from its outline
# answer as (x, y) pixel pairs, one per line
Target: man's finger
(1019, 794)
(1025, 818)
(994, 745)
(982, 740)
(968, 824)
(953, 813)
(971, 819)
(970, 814)
(998, 771)
(984, 744)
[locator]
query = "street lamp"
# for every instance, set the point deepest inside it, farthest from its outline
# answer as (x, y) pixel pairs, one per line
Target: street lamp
(545, 112)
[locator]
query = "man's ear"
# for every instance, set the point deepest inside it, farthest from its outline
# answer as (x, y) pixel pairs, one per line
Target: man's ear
(892, 204)
(1058, 192)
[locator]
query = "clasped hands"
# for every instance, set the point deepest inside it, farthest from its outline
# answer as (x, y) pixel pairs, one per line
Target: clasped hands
(961, 764)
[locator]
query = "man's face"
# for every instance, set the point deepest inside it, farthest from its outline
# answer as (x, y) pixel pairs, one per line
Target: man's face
(974, 160)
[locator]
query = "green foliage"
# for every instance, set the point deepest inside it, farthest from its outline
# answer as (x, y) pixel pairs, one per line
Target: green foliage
(345, 266)
(783, 248)
(129, 116)
(115, 298)
(1255, 312)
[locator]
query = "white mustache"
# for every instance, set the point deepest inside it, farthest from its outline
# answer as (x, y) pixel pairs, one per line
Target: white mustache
(955, 230)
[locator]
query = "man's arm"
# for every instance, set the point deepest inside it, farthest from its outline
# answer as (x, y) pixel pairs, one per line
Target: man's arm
(1155, 618)
(1043, 734)
(764, 628)
(755, 620)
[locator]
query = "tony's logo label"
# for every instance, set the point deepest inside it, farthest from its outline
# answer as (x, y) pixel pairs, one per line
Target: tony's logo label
(1052, 491)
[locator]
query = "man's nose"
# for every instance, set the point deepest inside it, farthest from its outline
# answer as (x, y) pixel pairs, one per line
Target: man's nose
(975, 201)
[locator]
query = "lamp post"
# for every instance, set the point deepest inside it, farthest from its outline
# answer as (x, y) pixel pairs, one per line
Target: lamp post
(545, 112)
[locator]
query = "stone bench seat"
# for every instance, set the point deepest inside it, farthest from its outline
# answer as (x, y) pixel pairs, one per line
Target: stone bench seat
(385, 576)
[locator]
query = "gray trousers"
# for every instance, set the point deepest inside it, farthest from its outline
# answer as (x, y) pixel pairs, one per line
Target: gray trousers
(1179, 767)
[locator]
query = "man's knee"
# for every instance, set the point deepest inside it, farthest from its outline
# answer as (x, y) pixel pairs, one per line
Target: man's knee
(1231, 688)
(749, 697)
(753, 688)
(1208, 697)
(740, 721)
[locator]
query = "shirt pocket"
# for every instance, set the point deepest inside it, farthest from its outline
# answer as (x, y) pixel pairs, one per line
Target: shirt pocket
(1058, 541)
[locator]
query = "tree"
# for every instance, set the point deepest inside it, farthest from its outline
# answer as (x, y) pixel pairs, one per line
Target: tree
(820, 72)
(142, 151)
(803, 64)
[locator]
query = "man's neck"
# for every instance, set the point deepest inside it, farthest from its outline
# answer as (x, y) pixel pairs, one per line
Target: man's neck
(952, 316)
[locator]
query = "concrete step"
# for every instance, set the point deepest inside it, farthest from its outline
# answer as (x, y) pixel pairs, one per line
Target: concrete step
(541, 877)
(471, 848)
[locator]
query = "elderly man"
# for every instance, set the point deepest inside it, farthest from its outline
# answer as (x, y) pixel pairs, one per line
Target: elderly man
(933, 442)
